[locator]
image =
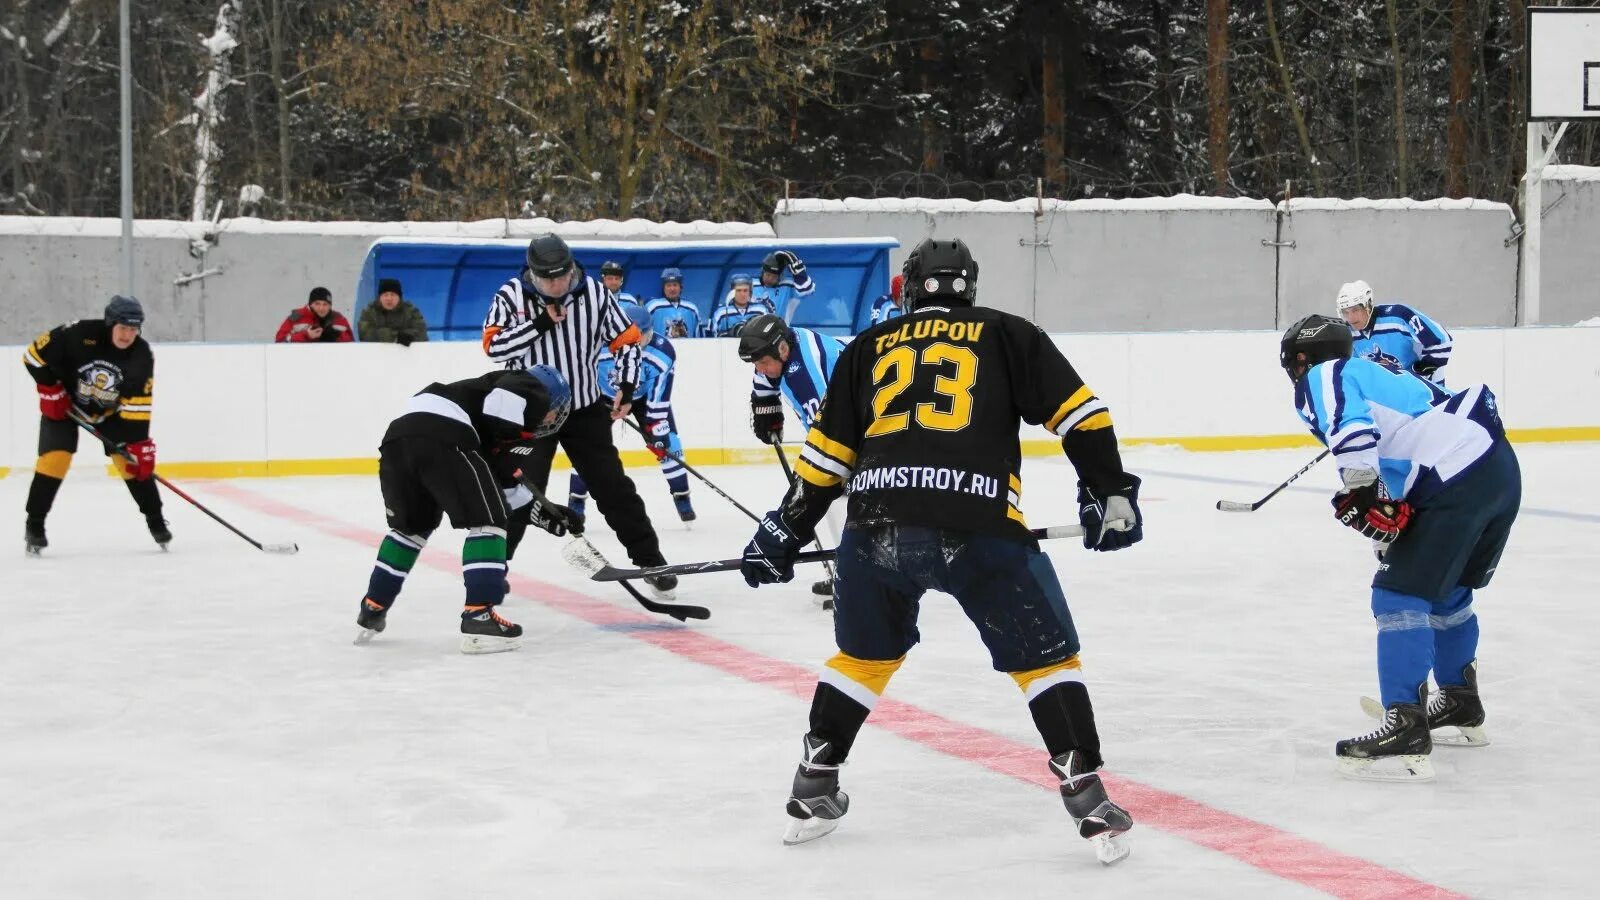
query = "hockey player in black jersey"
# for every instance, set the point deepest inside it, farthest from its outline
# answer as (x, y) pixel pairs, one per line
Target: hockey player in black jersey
(100, 371)
(435, 461)
(920, 423)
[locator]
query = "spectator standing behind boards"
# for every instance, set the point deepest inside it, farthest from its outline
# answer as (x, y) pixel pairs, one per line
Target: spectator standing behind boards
(739, 308)
(671, 315)
(390, 319)
(316, 322)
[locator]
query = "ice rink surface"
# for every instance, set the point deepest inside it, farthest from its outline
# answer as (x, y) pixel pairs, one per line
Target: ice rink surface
(198, 723)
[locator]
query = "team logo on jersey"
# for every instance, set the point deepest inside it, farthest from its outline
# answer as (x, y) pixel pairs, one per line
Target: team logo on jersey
(99, 384)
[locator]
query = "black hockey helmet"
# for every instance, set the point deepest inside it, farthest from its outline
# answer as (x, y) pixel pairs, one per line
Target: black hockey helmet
(1314, 339)
(942, 269)
(772, 263)
(549, 256)
(611, 267)
(125, 311)
(760, 336)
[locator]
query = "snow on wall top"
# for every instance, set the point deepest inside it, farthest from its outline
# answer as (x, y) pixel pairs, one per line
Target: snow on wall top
(486, 228)
(1333, 203)
(1571, 173)
(922, 204)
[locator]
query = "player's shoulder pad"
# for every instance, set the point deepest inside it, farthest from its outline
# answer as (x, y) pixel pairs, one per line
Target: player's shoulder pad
(1397, 310)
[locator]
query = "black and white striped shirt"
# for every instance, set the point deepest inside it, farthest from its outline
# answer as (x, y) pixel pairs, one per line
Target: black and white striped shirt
(572, 346)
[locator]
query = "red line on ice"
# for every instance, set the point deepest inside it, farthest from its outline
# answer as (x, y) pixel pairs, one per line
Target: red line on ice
(1257, 844)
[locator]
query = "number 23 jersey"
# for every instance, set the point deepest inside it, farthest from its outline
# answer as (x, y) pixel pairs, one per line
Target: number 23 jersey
(920, 423)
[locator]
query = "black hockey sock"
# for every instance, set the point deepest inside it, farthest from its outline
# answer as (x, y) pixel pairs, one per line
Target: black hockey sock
(147, 495)
(42, 495)
(1065, 720)
(837, 719)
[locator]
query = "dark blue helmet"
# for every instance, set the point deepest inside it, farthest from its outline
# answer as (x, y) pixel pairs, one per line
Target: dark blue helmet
(671, 274)
(555, 384)
(125, 311)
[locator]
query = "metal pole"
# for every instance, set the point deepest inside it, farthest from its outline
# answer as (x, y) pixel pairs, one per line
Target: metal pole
(1532, 203)
(127, 152)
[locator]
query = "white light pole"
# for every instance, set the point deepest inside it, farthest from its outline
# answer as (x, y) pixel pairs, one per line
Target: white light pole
(127, 154)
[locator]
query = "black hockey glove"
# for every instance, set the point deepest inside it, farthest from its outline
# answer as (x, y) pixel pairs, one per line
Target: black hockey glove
(1426, 368)
(769, 557)
(766, 420)
(554, 518)
(1366, 506)
(404, 338)
(1111, 520)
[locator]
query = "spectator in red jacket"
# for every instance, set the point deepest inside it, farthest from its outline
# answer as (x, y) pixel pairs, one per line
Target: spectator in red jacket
(316, 322)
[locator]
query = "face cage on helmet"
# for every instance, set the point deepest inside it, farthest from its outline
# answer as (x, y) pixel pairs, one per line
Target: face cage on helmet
(562, 410)
(556, 298)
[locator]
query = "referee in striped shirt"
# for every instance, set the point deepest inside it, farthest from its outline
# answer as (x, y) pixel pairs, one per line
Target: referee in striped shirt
(553, 314)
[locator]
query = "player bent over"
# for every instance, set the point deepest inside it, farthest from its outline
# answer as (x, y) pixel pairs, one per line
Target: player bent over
(920, 423)
(434, 461)
(1431, 478)
(100, 371)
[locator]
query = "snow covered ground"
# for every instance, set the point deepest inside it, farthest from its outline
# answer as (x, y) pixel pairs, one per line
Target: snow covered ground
(198, 724)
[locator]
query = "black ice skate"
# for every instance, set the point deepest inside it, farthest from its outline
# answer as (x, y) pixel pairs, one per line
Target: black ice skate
(372, 619)
(1396, 751)
(815, 802)
(663, 586)
(484, 631)
(1100, 822)
(33, 539)
(1458, 707)
(158, 529)
(685, 508)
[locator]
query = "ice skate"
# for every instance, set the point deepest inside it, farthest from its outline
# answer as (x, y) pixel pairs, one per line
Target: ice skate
(665, 587)
(372, 619)
(158, 529)
(822, 593)
(1397, 750)
(1458, 709)
(33, 539)
(815, 802)
(483, 630)
(1101, 822)
(685, 508)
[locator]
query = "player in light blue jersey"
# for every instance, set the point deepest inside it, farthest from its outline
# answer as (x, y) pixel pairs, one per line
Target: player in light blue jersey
(670, 314)
(888, 306)
(1394, 334)
(740, 307)
(652, 407)
(1431, 478)
(795, 363)
(612, 275)
(780, 293)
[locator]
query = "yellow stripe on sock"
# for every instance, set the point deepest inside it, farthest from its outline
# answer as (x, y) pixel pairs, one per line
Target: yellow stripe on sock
(872, 674)
(1024, 679)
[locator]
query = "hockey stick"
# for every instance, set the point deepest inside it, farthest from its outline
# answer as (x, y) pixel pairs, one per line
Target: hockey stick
(724, 494)
(610, 573)
(583, 555)
(783, 460)
(121, 450)
(1235, 506)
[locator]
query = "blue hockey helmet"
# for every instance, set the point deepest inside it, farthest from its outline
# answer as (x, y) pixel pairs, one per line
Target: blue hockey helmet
(555, 384)
(671, 274)
(125, 311)
(741, 278)
(640, 319)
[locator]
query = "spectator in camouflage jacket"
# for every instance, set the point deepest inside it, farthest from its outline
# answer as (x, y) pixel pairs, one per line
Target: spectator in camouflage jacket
(390, 319)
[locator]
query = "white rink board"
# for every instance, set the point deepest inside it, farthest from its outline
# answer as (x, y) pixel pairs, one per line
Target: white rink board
(197, 724)
(252, 402)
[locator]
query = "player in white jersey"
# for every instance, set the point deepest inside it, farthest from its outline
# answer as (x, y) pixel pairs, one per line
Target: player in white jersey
(1431, 478)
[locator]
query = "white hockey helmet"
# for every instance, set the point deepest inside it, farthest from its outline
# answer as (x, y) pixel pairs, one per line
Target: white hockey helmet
(1355, 293)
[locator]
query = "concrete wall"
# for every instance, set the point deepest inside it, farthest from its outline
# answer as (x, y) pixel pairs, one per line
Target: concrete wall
(57, 269)
(286, 409)
(1569, 273)
(1205, 263)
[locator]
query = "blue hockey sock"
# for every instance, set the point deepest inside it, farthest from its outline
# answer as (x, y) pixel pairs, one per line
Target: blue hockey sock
(1455, 637)
(483, 566)
(577, 488)
(679, 483)
(396, 555)
(1405, 644)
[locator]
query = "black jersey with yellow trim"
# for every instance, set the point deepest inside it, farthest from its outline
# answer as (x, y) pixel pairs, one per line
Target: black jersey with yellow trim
(921, 419)
(102, 380)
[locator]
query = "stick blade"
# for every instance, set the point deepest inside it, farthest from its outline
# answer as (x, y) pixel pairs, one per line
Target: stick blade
(1235, 506)
(288, 549)
(582, 555)
(612, 573)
